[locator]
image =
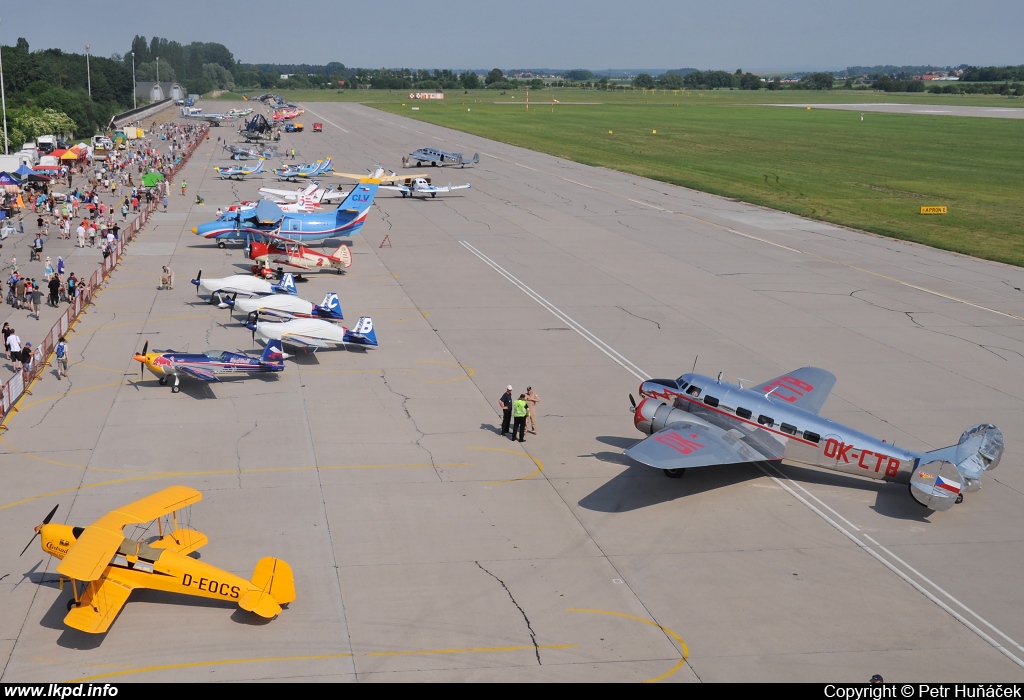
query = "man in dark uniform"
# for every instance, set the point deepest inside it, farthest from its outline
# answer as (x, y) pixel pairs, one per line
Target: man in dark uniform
(505, 404)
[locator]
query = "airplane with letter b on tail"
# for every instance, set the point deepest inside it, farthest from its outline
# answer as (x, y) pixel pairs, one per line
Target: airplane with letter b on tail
(698, 421)
(266, 220)
(208, 365)
(239, 172)
(111, 565)
(313, 333)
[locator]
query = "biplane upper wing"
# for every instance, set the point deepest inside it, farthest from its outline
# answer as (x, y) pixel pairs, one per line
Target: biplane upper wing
(92, 551)
(100, 604)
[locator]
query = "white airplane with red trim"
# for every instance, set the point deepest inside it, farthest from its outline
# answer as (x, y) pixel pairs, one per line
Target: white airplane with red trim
(699, 421)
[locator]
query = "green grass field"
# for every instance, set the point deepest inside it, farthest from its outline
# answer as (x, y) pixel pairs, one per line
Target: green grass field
(830, 165)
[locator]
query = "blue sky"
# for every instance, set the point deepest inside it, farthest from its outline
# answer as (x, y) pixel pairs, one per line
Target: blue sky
(597, 34)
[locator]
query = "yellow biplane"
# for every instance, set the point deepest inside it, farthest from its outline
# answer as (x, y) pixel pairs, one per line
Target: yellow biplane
(111, 565)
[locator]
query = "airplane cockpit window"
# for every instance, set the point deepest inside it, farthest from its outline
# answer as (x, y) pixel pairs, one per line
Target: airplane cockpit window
(694, 390)
(215, 354)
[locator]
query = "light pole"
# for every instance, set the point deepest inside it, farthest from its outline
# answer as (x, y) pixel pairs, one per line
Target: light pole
(134, 104)
(3, 98)
(158, 70)
(88, 73)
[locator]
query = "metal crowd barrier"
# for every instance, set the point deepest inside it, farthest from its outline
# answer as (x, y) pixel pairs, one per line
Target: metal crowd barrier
(18, 385)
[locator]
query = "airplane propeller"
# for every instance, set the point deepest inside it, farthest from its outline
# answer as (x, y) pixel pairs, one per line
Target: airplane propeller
(632, 403)
(255, 320)
(39, 527)
(199, 279)
(141, 358)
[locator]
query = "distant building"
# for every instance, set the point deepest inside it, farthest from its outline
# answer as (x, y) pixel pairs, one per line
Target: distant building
(155, 92)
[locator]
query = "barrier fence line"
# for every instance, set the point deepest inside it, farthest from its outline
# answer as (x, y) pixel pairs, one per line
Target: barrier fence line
(18, 385)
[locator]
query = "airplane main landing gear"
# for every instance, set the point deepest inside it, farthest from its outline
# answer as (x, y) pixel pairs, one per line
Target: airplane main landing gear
(674, 473)
(163, 381)
(959, 498)
(175, 389)
(73, 604)
(222, 244)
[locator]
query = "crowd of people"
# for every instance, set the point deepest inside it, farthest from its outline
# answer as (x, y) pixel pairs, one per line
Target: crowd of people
(86, 214)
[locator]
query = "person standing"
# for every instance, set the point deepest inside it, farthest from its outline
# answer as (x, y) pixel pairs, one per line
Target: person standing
(81, 235)
(54, 287)
(531, 401)
(519, 413)
(61, 352)
(37, 297)
(7, 334)
(505, 404)
(14, 345)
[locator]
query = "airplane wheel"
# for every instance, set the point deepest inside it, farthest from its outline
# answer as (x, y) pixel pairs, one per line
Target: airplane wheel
(433, 194)
(72, 604)
(419, 163)
(433, 165)
(175, 389)
(674, 473)
(163, 381)
(959, 498)
(222, 244)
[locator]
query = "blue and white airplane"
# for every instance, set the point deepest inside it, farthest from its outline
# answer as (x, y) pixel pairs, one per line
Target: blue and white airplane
(288, 306)
(240, 172)
(290, 172)
(267, 221)
(314, 333)
(246, 285)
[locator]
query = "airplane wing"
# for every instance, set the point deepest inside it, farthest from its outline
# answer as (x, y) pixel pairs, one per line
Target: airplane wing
(98, 543)
(805, 388)
(101, 603)
(397, 188)
(197, 372)
(183, 540)
(690, 444)
(303, 341)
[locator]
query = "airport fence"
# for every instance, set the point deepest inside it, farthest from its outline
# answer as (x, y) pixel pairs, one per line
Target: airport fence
(18, 385)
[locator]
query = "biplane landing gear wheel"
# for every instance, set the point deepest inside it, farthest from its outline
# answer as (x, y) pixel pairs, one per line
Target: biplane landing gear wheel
(674, 473)
(163, 381)
(959, 498)
(73, 604)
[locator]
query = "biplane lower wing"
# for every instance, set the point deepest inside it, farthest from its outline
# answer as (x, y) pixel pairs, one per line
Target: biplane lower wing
(100, 604)
(184, 540)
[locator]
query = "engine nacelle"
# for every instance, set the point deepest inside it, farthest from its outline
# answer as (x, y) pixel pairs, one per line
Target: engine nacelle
(652, 415)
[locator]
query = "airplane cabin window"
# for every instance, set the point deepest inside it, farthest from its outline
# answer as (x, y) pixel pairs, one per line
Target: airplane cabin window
(743, 412)
(710, 400)
(811, 437)
(787, 428)
(765, 420)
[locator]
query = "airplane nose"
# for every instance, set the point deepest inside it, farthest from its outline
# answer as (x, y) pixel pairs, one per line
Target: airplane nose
(195, 230)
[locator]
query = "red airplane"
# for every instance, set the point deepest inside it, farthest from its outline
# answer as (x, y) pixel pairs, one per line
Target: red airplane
(286, 253)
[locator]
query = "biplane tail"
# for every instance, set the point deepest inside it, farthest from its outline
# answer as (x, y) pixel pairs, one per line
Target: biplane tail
(274, 586)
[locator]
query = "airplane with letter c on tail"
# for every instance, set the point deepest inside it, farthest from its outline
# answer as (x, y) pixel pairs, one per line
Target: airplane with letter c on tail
(698, 421)
(286, 306)
(267, 220)
(167, 364)
(111, 565)
(239, 172)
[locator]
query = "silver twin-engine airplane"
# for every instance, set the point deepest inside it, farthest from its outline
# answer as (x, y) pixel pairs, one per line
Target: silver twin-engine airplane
(698, 421)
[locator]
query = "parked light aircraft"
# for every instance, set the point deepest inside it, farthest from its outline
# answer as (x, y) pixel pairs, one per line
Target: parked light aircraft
(240, 112)
(267, 220)
(207, 365)
(257, 128)
(306, 170)
(698, 421)
(305, 204)
(246, 285)
(112, 565)
(314, 191)
(212, 118)
(286, 306)
(239, 172)
(282, 252)
(437, 158)
(313, 333)
(421, 186)
(239, 153)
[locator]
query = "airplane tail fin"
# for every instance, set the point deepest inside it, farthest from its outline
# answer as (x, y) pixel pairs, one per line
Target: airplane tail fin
(331, 307)
(944, 474)
(476, 158)
(273, 354)
(275, 586)
(352, 212)
(286, 285)
(362, 333)
(343, 254)
(259, 166)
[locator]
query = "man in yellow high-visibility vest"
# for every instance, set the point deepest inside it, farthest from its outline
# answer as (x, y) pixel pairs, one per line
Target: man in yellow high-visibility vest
(519, 413)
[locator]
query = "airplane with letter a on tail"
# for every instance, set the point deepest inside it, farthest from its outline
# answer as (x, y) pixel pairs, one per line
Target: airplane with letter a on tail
(239, 172)
(168, 364)
(313, 333)
(111, 565)
(698, 421)
(246, 285)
